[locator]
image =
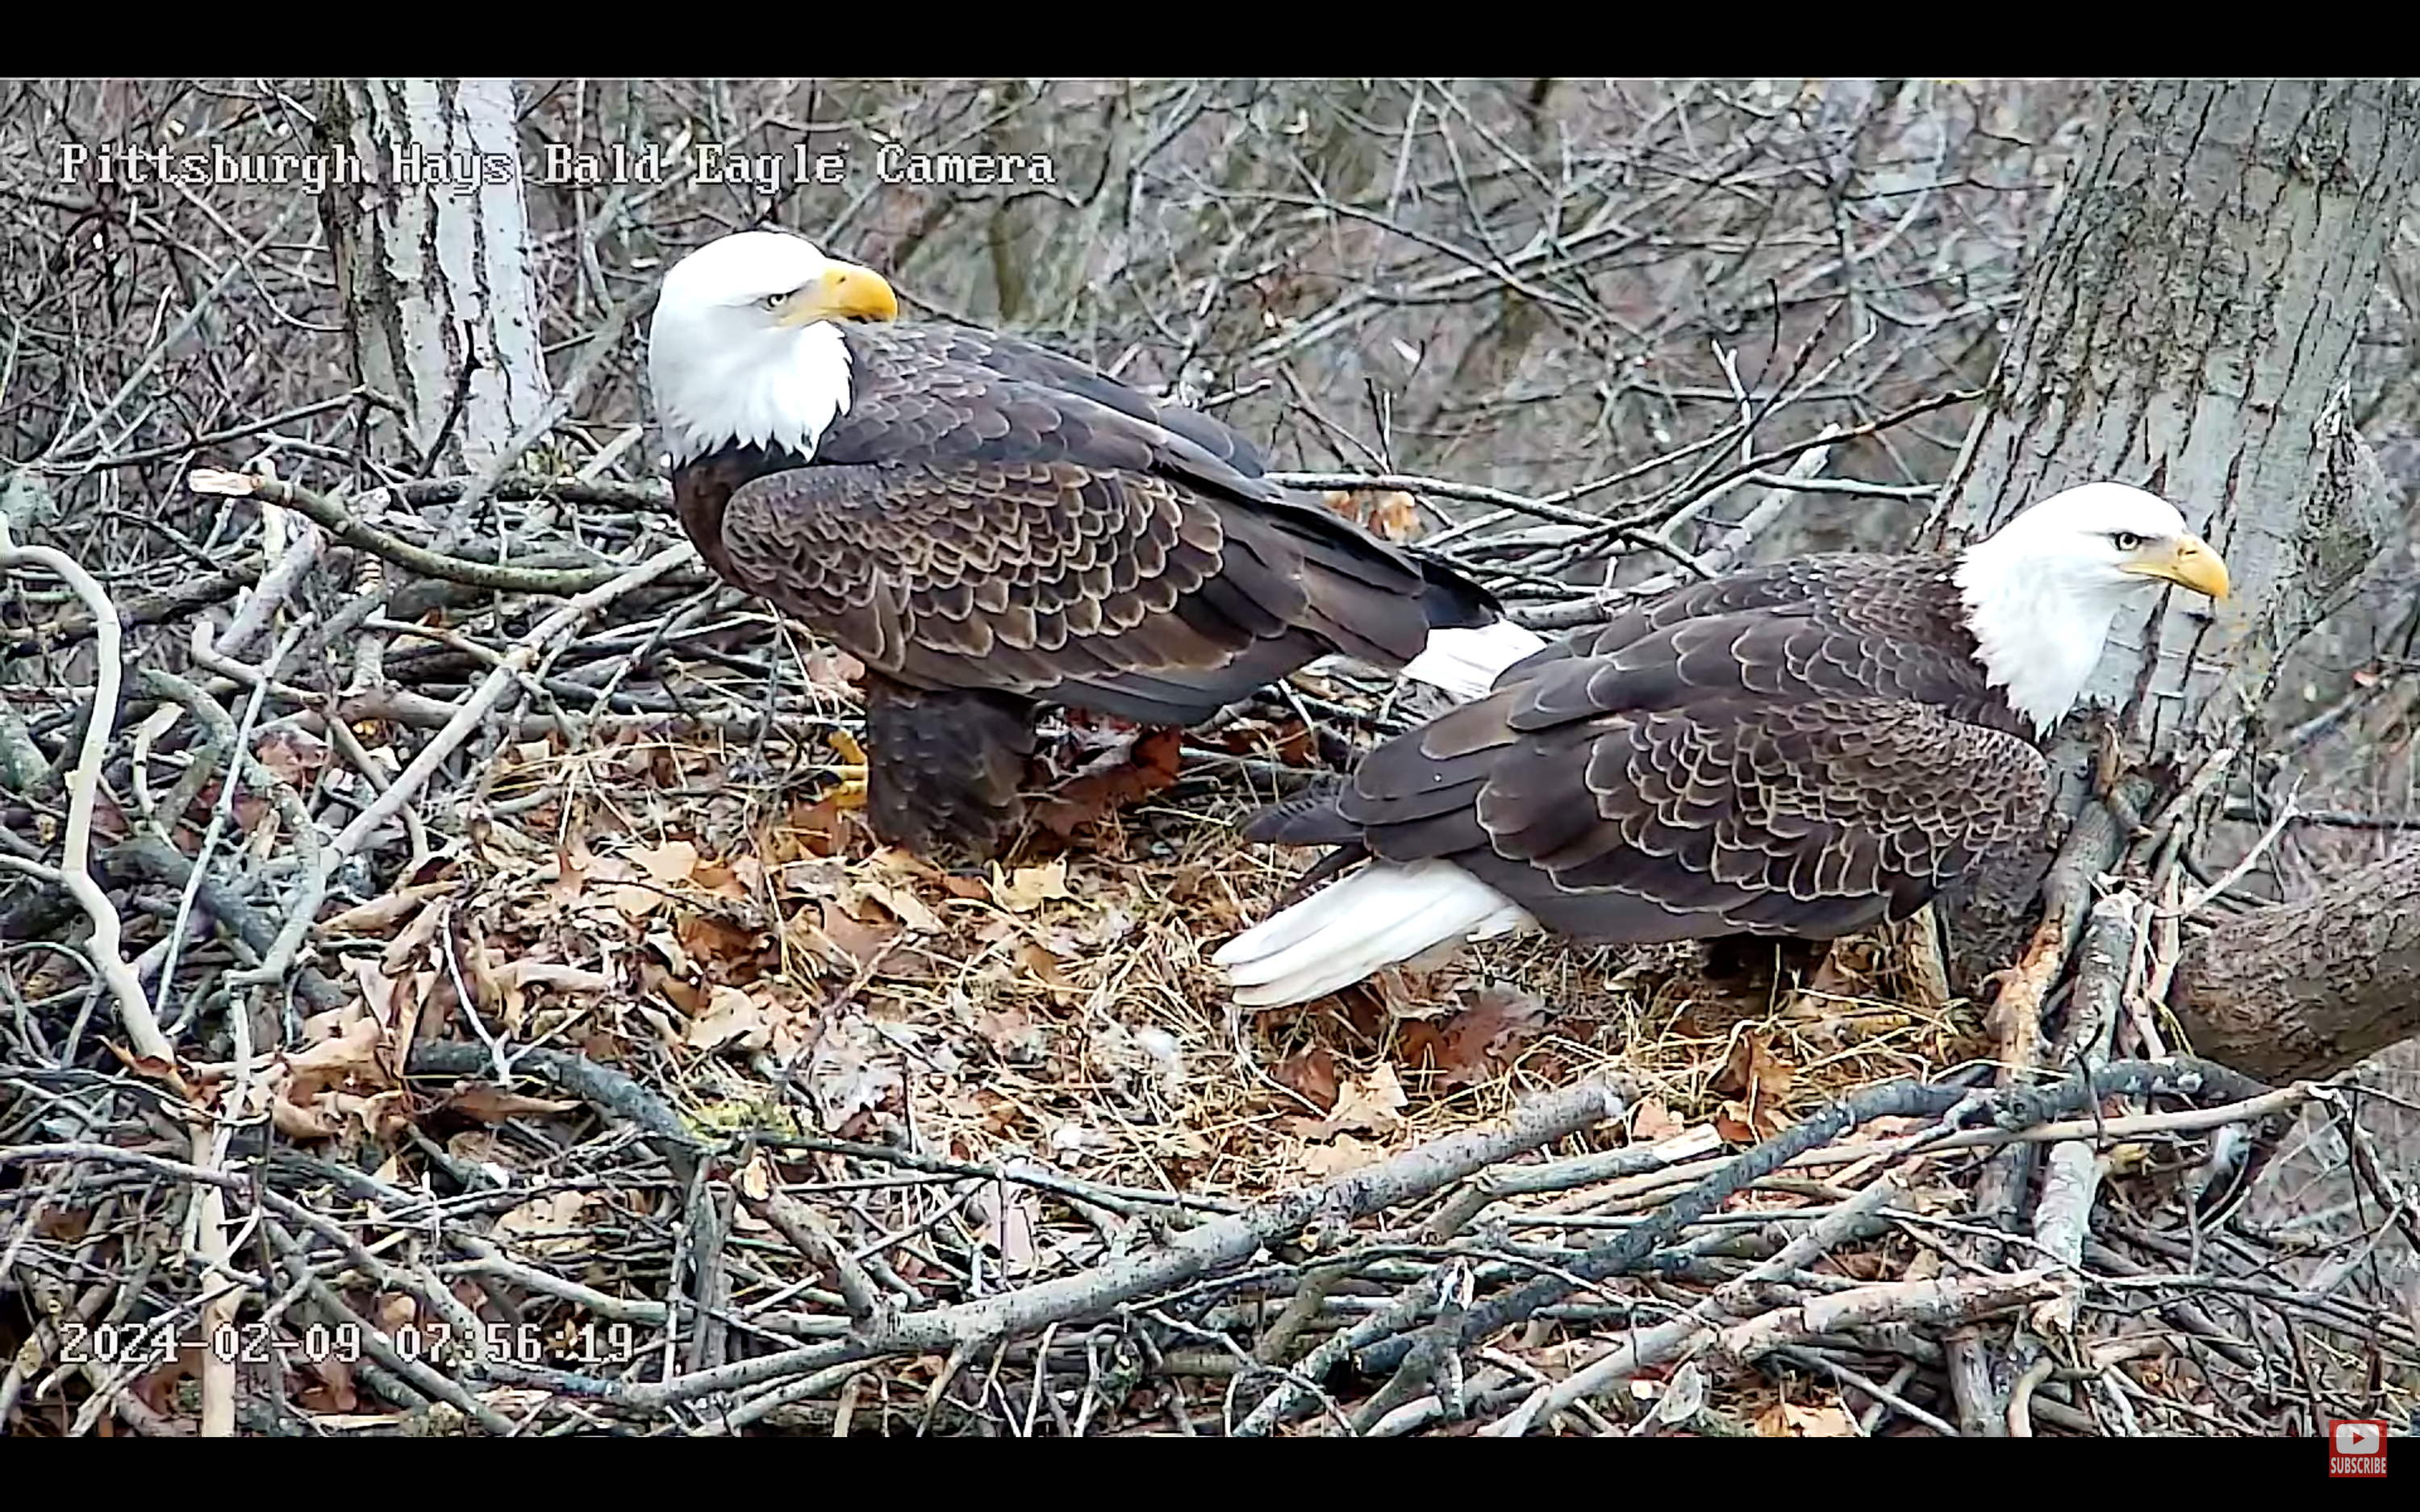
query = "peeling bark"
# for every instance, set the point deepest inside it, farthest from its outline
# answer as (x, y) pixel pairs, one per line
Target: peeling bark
(432, 262)
(2308, 988)
(2189, 327)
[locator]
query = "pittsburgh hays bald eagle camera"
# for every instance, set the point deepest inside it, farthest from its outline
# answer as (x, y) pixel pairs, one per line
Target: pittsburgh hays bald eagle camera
(987, 525)
(1799, 750)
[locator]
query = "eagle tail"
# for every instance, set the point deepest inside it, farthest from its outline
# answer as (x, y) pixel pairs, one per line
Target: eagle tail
(1465, 663)
(1453, 601)
(1379, 915)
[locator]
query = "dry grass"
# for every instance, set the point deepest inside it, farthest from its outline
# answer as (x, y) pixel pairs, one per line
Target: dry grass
(769, 965)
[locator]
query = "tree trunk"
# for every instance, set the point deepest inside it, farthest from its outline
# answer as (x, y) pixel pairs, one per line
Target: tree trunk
(2309, 989)
(2189, 328)
(433, 263)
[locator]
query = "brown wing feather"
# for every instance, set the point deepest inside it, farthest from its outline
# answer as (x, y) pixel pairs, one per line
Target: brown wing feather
(988, 515)
(1798, 763)
(1115, 590)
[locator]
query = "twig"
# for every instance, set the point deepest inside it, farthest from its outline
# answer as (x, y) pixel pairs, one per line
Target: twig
(83, 788)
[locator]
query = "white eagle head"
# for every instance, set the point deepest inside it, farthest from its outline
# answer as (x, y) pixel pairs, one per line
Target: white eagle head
(741, 350)
(2041, 591)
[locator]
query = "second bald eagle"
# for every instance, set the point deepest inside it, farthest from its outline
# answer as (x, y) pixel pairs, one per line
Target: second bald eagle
(1799, 750)
(986, 525)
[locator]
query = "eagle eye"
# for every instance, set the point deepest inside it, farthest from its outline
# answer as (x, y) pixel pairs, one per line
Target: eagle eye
(2125, 540)
(773, 302)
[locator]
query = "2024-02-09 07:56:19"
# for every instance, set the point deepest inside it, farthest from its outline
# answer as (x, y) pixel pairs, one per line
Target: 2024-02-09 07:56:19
(527, 1344)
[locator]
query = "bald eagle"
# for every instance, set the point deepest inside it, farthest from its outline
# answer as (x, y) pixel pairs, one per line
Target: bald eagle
(1799, 750)
(987, 525)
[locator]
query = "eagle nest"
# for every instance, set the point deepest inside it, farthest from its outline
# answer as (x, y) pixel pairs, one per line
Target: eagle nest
(883, 1147)
(650, 1094)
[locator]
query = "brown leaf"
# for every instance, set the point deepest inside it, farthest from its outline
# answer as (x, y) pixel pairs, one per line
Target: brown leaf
(331, 1062)
(1743, 1125)
(555, 1224)
(317, 1120)
(1788, 1419)
(1475, 1043)
(490, 1104)
(332, 1391)
(1392, 516)
(851, 945)
(1347, 1153)
(1028, 888)
(704, 937)
(1046, 966)
(382, 913)
(1755, 1072)
(1312, 1074)
(670, 863)
(1371, 1103)
(1013, 1033)
(1653, 1123)
(1150, 765)
(731, 1015)
(902, 904)
(292, 755)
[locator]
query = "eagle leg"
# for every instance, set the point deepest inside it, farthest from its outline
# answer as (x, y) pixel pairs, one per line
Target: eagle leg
(1756, 964)
(944, 768)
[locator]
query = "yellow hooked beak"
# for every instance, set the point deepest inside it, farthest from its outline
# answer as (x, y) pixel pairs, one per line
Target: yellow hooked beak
(2185, 561)
(845, 291)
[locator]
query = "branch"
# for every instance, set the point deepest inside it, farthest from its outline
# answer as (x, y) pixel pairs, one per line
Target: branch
(345, 527)
(106, 946)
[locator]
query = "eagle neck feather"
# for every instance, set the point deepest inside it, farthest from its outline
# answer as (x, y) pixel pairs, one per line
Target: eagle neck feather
(780, 396)
(2037, 633)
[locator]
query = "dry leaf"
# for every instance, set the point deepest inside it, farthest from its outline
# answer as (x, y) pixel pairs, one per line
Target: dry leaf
(704, 937)
(731, 1015)
(1473, 1045)
(489, 1103)
(1788, 1419)
(515, 975)
(1347, 1154)
(1028, 888)
(1754, 1072)
(1312, 1073)
(1369, 1102)
(1683, 1396)
(1012, 1034)
(670, 863)
(1654, 1122)
(292, 755)
(851, 1072)
(317, 1120)
(1012, 1229)
(1392, 516)
(851, 945)
(329, 1062)
(382, 913)
(554, 1224)
(902, 904)
(1150, 765)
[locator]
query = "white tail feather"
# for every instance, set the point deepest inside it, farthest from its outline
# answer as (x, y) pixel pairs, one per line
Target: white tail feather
(1378, 916)
(1465, 663)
